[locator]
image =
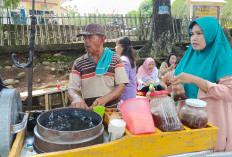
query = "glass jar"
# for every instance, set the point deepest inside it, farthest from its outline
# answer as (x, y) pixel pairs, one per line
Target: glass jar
(193, 113)
(164, 112)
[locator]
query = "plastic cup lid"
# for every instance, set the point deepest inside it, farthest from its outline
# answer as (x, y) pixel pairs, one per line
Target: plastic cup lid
(158, 93)
(118, 122)
(195, 103)
(99, 108)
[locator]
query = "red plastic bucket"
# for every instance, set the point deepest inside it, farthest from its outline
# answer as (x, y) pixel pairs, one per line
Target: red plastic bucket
(137, 115)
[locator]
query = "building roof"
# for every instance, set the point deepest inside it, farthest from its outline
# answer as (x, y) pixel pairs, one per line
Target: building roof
(211, 1)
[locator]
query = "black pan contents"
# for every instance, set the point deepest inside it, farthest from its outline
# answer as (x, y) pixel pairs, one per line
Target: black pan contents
(69, 122)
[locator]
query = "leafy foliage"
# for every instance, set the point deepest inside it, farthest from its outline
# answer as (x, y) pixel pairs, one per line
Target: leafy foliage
(52, 58)
(13, 4)
(72, 10)
(146, 7)
(133, 12)
(226, 9)
(180, 9)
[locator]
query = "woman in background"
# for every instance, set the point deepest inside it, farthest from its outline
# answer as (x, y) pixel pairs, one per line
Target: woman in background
(148, 74)
(168, 65)
(124, 49)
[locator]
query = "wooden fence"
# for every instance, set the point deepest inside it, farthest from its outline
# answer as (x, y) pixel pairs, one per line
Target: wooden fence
(63, 30)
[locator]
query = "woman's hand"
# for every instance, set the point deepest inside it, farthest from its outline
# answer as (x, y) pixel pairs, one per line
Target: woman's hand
(172, 67)
(188, 78)
(145, 84)
(184, 78)
(168, 77)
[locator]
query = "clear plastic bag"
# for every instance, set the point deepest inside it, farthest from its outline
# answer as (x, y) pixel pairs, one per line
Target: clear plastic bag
(168, 77)
(179, 92)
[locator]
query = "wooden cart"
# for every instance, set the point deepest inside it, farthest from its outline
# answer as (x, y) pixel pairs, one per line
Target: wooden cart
(157, 144)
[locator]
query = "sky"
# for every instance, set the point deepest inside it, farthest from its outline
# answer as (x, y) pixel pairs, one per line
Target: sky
(105, 6)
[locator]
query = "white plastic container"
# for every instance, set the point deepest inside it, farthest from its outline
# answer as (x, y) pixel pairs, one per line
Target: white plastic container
(116, 129)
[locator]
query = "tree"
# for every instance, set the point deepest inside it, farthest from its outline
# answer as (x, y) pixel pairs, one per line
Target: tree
(146, 7)
(72, 10)
(159, 44)
(133, 12)
(226, 9)
(180, 9)
(12, 4)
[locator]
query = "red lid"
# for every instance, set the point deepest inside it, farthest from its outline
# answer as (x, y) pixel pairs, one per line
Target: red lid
(158, 93)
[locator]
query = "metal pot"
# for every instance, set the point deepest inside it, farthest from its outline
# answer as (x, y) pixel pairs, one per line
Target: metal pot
(12, 120)
(58, 130)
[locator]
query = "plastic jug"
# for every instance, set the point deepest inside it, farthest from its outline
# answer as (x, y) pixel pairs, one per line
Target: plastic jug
(137, 115)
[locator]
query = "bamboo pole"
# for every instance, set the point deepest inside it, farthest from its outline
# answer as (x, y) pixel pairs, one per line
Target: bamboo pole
(80, 25)
(28, 36)
(64, 31)
(75, 27)
(110, 34)
(22, 34)
(36, 35)
(41, 35)
(127, 24)
(123, 25)
(47, 33)
(1, 32)
(16, 33)
(59, 32)
(137, 28)
(53, 33)
(8, 34)
(131, 26)
(173, 28)
(106, 32)
(69, 29)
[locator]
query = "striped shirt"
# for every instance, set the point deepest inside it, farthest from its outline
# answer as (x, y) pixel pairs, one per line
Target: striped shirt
(93, 86)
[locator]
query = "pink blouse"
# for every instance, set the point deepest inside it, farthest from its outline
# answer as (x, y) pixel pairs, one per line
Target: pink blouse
(219, 108)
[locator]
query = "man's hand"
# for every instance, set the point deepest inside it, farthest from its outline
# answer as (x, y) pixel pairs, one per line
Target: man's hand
(99, 102)
(77, 100)
(79, 103)
(115, 93)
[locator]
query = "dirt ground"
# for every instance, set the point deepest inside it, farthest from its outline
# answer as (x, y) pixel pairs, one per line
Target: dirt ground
(43, 77)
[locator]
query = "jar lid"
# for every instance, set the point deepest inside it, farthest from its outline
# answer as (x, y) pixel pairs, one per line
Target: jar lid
(159, 93)
(195, 103)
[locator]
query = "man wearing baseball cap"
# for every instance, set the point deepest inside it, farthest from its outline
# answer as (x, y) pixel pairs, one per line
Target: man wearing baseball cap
(99, 74)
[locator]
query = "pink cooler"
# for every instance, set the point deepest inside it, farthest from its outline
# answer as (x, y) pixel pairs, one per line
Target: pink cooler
(137, 115)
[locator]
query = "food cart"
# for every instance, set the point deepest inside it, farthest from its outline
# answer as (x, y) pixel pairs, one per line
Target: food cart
(156, 144)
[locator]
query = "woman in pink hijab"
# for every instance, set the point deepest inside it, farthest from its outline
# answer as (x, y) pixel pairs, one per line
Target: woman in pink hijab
(148, 74)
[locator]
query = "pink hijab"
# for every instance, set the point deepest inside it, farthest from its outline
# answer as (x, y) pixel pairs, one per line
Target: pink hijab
(143, 70)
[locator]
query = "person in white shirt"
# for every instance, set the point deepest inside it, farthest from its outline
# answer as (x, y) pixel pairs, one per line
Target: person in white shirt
(148, 74)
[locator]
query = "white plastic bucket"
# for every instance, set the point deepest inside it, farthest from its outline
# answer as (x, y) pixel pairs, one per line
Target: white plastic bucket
(116, 129)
